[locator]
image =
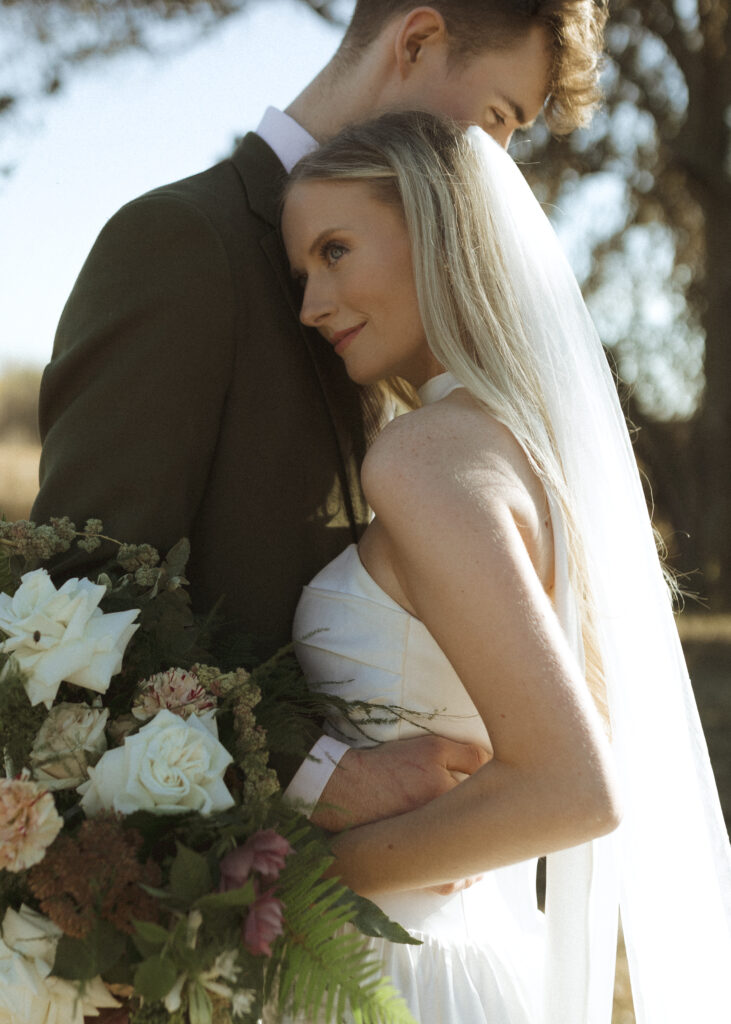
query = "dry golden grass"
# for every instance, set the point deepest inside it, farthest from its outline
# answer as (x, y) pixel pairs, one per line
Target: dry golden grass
(623, 1012)
(18, 477)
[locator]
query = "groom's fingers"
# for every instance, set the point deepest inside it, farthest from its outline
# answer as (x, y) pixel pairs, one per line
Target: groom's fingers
(449, 888)
(465, 758)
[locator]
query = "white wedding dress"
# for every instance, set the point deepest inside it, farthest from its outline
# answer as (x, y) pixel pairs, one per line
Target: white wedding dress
(483, 952)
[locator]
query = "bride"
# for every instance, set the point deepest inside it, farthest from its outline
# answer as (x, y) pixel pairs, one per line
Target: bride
(509, 583)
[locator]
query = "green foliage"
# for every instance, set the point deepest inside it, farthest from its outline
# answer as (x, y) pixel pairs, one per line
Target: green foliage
(83, 959)
(284, 709)
(190, 876)
(155, 977)
(234, 899)
(19, 721)
(200, 1008)
(13, 890)
(7, 578)
(150, 937)
(319, 966)
(370, 920)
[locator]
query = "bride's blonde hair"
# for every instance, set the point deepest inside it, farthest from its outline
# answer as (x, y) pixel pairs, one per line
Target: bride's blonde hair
(424, 165)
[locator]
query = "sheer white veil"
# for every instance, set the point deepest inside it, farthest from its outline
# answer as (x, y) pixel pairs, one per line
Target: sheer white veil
(668, 865)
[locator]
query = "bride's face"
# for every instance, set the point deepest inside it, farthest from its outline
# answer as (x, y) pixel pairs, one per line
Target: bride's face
(351, 251)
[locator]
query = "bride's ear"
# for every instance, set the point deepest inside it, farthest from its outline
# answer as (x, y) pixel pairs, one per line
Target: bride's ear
(421, 37)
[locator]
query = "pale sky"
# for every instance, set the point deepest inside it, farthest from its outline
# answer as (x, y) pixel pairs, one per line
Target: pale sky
(131, 123)
(127, 125)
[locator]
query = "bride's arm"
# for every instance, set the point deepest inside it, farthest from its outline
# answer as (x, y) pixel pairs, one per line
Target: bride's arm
(447, 508)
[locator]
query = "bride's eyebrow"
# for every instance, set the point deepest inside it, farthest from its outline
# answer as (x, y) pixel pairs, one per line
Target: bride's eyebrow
(321, 238)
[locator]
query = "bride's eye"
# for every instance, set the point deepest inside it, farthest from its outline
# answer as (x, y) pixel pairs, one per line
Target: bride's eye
(331, 252)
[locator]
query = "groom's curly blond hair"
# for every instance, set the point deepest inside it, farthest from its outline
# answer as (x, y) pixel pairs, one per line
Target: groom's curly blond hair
(575, 27)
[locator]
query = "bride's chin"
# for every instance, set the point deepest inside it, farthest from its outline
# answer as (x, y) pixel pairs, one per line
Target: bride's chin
(363, 378)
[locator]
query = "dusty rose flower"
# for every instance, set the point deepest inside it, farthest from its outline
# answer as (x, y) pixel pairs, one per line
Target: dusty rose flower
(264, 852)
(263, 924)
(69, 741)
(176, 690)
(29, 822)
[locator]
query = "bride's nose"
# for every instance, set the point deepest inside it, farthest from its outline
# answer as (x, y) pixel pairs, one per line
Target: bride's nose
(317, 304)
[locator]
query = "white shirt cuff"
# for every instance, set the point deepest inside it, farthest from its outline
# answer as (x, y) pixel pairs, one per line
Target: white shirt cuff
(306, 787)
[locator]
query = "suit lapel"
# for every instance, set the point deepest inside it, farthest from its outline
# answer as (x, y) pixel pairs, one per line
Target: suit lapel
(263, 177)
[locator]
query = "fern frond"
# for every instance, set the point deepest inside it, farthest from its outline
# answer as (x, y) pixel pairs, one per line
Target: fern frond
(322, 966)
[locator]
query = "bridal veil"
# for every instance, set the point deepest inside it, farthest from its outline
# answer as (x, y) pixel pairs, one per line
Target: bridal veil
(668, 866)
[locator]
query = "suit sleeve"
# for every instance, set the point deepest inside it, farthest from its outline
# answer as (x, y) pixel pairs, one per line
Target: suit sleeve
(132, 399)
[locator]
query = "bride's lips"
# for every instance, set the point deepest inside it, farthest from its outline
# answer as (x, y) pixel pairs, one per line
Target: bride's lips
(341, 339)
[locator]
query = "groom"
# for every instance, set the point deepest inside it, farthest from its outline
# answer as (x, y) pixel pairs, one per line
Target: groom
(184, 398)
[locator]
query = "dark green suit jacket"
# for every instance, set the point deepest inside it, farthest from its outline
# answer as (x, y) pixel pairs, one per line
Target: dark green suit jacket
(185, 399)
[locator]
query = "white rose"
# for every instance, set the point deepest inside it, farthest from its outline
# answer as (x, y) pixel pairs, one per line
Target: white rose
(29, 993)
(170, 766)
(69, 741)
(58, 635)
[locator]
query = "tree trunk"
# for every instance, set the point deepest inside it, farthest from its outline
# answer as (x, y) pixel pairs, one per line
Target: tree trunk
(705, 142)
(713, 427)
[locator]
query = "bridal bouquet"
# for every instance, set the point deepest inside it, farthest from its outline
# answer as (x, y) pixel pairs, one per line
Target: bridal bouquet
(147, 859)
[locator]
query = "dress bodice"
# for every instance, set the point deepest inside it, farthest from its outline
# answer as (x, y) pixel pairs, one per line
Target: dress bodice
(356, 641)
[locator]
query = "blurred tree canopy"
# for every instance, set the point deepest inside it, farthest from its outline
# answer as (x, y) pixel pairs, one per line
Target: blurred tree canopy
(645, 192)
(657, 260)
(42, 41)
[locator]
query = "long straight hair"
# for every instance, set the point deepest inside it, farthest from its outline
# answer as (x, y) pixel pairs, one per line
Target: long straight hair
(424, 165)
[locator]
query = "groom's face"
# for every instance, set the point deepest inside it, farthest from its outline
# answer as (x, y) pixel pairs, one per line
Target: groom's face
(501, 90)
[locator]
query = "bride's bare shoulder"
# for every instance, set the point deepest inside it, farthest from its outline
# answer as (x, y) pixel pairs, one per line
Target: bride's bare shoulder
(455, 447)
(452, 471)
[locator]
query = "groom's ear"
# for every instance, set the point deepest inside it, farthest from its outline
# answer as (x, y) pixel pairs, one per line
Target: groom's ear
(421, 38)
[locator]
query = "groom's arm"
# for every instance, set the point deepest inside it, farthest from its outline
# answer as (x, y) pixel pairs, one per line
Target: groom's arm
(131, 401)
(343, 787)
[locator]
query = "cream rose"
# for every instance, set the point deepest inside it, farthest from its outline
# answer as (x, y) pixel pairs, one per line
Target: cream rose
(70, 740)
(29, 993)
(58, 635)
(170, 766)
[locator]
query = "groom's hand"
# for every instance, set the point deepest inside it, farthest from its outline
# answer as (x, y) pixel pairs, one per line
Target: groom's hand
(393, 778)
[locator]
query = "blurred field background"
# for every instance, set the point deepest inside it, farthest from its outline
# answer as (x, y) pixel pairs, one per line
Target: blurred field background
(20, 445)
(706, 637)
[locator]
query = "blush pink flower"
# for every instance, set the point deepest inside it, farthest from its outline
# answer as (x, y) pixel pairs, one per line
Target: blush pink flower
(263, 924)
(29, 822)
(264, 852)
(175, 690)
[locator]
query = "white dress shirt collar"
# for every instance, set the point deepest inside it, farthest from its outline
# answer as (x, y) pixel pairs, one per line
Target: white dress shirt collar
(288, 139)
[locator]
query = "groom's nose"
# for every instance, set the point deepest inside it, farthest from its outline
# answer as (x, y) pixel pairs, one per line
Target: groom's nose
(317, 304)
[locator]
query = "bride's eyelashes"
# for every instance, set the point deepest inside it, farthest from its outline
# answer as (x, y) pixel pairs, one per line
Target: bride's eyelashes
(331, 252)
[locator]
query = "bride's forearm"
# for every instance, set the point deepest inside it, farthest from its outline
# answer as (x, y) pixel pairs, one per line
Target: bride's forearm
(498, 816)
